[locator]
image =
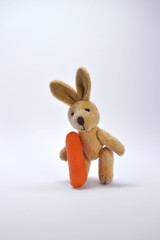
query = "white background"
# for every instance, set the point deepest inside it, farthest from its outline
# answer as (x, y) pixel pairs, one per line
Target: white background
(118, 42)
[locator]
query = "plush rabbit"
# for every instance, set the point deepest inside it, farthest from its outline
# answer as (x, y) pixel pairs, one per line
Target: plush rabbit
(84, 117)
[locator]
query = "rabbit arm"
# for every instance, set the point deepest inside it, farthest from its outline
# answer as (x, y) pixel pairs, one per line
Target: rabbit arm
(63, 154)
(110, 142)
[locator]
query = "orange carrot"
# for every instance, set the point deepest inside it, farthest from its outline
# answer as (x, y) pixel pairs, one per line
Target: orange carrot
(76, 162)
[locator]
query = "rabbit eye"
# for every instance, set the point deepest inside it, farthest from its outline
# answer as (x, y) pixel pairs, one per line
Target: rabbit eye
(87, 109)
(72, 113)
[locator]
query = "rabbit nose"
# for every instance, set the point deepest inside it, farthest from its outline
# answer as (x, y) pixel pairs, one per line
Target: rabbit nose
(80, 120)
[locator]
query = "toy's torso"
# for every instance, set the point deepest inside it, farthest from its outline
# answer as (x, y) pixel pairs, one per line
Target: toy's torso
(90, 143)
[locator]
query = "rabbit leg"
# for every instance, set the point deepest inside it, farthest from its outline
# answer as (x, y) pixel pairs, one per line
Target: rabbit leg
(87, 163)
(105, 166)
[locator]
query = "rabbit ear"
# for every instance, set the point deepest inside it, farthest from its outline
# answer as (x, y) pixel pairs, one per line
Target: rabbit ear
(63, 92)
(83, 84)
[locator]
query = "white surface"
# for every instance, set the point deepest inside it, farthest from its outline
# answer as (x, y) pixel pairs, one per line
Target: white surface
(118, 42)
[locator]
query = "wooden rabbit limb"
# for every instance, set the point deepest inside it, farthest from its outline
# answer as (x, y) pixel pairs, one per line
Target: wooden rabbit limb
(63, 154)
(110, 142)
(105, 166)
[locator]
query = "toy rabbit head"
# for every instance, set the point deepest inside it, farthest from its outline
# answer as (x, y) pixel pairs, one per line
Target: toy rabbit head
(82, 114)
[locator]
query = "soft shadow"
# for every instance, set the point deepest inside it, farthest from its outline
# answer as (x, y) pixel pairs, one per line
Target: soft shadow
(116, 184)
(91, 183)
(94, 183)
(64, 185)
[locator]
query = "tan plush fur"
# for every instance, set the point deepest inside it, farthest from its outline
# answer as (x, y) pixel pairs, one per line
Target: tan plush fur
(84, 117)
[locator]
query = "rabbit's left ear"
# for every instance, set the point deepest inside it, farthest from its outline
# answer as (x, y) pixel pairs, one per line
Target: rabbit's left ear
(63, 92)
(83, 84)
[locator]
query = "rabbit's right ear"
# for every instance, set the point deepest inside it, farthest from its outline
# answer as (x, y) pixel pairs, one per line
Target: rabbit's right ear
(83, 84)
(63, 92)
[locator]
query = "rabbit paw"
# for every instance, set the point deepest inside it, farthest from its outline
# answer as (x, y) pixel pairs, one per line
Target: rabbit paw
(63, 154)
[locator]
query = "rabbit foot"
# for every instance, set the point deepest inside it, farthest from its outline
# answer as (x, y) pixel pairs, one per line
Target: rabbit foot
(106, 179)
